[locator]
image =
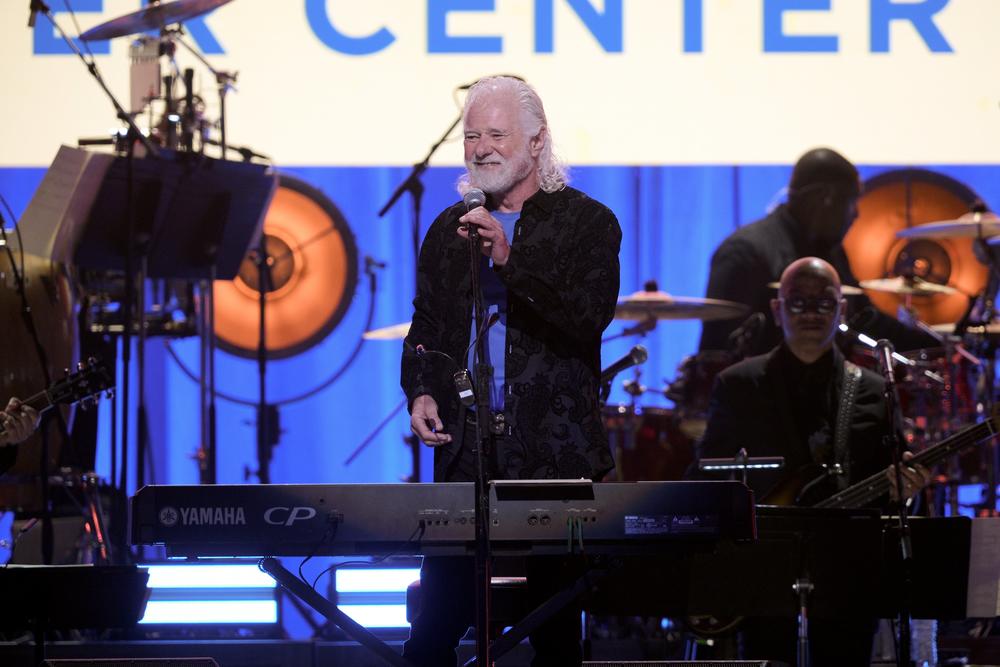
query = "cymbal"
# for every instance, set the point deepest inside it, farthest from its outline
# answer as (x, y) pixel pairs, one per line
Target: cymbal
(969, 225)
(392, 332)
(845, 290)
(662, 306)
(153, 17)
(911, 286)
(989, 329)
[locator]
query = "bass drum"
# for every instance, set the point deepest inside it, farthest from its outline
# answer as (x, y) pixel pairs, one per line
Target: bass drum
(22, 370)
(647, 443)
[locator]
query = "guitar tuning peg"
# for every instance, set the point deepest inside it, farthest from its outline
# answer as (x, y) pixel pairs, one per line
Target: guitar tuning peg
(66, 372)
(79, 366)
(91, 360)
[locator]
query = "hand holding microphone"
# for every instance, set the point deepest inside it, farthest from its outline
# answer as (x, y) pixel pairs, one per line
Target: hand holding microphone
(479, 223)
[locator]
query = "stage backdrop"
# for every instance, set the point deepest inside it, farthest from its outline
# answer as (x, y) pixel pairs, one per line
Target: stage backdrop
(683, 116)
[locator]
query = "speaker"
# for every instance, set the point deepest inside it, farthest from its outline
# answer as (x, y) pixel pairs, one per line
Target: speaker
(133, 662)
(688, 663)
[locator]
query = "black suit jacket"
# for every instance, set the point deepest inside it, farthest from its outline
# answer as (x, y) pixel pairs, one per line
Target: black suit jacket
(562, 288)
(750, 408)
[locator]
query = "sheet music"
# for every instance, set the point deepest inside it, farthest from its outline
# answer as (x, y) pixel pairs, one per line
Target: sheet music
(55, 217)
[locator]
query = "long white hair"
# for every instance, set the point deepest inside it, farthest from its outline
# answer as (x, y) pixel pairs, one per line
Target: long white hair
(553, 175)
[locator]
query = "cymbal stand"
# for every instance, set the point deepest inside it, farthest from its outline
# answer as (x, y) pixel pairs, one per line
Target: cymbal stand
(226, 81)
(987, 312)
(627, 442)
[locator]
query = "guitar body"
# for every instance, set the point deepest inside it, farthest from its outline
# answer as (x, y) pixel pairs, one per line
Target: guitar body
(50, 296)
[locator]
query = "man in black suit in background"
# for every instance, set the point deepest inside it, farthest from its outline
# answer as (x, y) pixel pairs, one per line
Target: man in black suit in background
(822, 204)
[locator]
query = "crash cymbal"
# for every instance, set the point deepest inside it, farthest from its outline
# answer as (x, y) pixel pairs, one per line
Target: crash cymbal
(845, 290)
(988, 329)
(907, 286)
(392, 332)
(658, 305)
(971, 225)
(154, 17)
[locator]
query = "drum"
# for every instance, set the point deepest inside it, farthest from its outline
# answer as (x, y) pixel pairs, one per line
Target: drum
(693, 388)
(647, 443)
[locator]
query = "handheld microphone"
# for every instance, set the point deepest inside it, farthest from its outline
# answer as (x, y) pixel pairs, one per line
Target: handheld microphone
(635, 356)
(884, 350)
(474, 198)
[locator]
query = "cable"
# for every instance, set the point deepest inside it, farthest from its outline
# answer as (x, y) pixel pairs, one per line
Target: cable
(415, 536)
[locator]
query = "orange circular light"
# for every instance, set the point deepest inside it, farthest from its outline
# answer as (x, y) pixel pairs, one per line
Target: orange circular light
(312, 260)
(906, 198)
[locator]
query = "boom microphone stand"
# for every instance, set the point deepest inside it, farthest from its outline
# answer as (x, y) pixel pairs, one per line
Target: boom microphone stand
(415, 187)
(895, 443)
(134, 135)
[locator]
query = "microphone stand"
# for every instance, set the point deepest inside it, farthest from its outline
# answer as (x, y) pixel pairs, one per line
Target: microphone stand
(484, 450)
(415, 187)
(895, 444)
(134, 135)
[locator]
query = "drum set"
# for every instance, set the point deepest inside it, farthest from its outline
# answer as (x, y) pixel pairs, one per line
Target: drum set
(941, 388)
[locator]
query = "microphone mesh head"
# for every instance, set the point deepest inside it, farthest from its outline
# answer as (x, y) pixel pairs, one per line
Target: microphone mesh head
(474, 197)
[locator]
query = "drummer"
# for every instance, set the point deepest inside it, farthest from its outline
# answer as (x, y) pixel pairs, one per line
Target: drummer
(822, 205)
(788, 403)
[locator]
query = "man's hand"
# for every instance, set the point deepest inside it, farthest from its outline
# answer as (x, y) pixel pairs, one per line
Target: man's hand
(915, 478)
(18, 420)
(494, 240)
(425, 423)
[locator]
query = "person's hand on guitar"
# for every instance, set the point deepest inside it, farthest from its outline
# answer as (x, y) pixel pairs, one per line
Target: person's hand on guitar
(915, 478)
(17, 421)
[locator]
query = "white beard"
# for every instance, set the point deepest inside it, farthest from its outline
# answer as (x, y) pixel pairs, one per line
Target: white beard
(500, 179)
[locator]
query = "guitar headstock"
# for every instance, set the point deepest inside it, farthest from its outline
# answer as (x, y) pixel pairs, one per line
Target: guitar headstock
(85, 384)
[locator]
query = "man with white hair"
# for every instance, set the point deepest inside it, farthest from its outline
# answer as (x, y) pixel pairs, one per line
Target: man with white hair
(549, 272)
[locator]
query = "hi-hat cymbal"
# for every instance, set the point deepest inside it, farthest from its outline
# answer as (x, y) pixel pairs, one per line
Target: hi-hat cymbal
(970, 225)
(658, 305)
(909, 286)
(845, 290)
(153, 17)
(392, 332)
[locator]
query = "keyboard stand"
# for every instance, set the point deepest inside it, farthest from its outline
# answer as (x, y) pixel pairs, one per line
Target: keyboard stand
(332, 612)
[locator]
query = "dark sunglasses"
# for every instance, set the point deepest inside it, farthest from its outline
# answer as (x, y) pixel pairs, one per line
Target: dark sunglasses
(824, 305)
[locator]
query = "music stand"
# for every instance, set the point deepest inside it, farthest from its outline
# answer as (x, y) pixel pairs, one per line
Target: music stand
(194, 213)
(195, 218)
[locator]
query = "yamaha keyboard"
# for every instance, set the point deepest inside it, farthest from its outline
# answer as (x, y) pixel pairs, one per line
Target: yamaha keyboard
(526, 517)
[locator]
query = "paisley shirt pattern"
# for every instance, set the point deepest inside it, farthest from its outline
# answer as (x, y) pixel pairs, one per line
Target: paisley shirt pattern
(562, 286)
